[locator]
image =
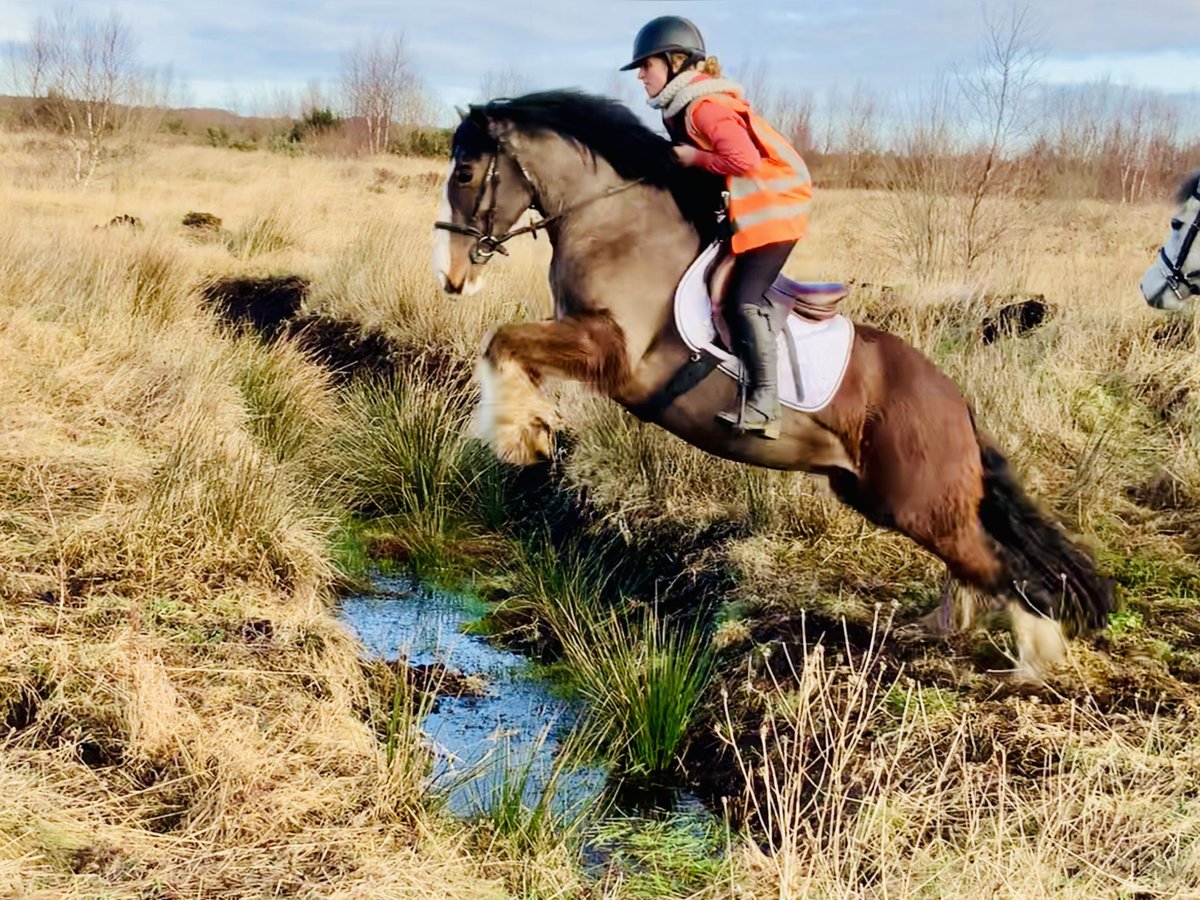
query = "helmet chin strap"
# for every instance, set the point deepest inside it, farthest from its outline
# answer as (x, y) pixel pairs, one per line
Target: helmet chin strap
(672, 72)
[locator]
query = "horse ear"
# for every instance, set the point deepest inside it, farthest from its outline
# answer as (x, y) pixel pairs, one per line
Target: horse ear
(462, 113)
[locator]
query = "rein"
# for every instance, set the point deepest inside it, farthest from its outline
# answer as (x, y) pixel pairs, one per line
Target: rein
(1177, 279)
(488, 244)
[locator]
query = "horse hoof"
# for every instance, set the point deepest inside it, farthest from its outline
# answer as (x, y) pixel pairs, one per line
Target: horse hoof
(528, 445)
(915, 633)
(930, 627)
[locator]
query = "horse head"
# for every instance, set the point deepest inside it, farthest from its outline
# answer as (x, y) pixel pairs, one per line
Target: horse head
(1172, 279)
(485, 193)
(562, 153)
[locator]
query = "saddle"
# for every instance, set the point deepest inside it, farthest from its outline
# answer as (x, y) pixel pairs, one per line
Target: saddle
(812, 301)
(816, 340)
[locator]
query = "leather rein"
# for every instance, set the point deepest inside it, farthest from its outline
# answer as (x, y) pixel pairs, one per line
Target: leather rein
(487, 244)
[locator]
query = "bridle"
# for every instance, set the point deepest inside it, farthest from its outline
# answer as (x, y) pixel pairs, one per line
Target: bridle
(488, 244)
(1177, 279)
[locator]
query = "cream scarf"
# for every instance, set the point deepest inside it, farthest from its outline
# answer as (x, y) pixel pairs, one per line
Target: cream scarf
(688, 86)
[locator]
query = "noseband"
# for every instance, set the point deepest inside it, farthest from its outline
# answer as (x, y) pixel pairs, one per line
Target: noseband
(488, 244)
(1177, 279)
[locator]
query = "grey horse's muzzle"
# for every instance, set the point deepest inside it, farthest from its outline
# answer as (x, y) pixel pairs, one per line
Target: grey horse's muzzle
(1170, 283)
(1157, 290)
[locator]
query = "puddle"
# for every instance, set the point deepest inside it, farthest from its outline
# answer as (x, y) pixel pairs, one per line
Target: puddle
(511, 736)
(518, 723)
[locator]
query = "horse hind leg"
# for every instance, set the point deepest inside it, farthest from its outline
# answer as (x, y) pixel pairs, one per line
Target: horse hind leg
(946, 522)
(1041, 644)
(948, 528)
(974, 585)
(956, 610)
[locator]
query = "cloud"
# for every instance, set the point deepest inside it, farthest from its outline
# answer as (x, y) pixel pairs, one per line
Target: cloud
(234, 45)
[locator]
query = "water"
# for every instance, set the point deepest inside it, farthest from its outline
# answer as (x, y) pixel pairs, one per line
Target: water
(519, 725)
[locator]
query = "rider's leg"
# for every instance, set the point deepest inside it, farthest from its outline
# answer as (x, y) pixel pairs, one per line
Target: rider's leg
(755, 341)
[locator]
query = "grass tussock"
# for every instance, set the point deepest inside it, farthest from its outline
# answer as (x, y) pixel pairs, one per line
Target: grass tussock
(641, 674)
(181, 715)
(863, 783)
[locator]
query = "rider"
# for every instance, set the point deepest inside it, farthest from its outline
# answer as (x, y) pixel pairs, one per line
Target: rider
(768, 185)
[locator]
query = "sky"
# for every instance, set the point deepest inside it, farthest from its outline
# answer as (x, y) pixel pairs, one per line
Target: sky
(240, 53)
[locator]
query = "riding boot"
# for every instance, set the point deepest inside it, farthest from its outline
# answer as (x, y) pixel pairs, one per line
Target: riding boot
(758, 409)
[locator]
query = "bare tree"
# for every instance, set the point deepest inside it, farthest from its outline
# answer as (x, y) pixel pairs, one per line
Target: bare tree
(832, 104)
(86, 79)
(996, 92)
(923, 181)
(792, 114)
(314, 98)
(380, 88)
(955, 186)
(33, 61)
(860, 135)
(507, 82)
(754, 75)
(789, 111)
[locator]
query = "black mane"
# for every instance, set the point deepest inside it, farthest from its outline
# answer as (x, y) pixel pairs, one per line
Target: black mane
(1188, 187)
(607, 129)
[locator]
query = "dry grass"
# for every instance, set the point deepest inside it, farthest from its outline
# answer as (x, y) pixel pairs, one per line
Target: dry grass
(165, 489)
(183, 715)
(867, 785)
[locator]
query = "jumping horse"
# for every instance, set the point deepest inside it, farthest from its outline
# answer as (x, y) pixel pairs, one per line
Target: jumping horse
(897, 441)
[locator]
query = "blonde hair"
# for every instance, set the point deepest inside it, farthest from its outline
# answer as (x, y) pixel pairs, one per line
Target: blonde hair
(709, 66)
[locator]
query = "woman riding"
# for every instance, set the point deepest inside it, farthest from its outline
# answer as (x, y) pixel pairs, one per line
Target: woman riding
(768, 185)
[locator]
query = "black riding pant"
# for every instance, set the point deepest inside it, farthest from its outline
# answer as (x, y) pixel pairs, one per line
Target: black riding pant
(753, 272)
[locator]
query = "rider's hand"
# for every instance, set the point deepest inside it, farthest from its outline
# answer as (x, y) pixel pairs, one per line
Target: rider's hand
(685, 153)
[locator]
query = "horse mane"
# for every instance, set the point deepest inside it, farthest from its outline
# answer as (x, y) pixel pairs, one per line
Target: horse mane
(1188, 187)
(607, 129)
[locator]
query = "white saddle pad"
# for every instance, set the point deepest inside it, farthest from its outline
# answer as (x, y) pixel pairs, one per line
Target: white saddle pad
(822, 348)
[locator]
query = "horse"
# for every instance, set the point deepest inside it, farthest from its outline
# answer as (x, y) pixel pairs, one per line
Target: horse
(897, 441)
(1172, 278)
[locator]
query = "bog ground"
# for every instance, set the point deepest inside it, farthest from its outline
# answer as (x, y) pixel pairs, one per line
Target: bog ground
(179, 502)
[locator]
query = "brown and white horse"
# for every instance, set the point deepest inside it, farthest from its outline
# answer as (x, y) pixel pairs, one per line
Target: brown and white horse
(897, 442)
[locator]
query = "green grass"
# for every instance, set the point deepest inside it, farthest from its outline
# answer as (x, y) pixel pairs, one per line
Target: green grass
(926, 701)
(642, 678)
(401, 449)
(675, 856)
(348, 549)
(404, 463)
(527, 816)
(1125, 621)
(290, 403)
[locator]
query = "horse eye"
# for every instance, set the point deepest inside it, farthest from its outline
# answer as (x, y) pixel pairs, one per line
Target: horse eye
(464, 175)
(1176, 224)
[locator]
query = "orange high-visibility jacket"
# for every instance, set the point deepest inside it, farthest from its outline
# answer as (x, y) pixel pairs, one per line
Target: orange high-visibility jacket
(770, 204)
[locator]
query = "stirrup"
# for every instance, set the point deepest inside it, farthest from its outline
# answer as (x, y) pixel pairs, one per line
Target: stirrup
(770, 429)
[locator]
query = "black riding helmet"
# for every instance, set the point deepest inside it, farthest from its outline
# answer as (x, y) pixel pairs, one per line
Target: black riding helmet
(667, 34)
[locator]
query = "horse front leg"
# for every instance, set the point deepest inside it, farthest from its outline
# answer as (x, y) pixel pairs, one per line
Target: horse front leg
(514, 417)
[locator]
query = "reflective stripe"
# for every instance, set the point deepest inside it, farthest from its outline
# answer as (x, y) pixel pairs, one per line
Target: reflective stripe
(790, 211)
(770, 204)
(742, 186)
(785, 150)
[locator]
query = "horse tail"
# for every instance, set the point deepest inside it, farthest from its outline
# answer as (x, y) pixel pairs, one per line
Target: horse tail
(1040, 564)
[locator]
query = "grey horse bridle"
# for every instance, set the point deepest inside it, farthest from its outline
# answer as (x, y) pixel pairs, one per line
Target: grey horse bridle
(1177, 278)
(488, 244)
